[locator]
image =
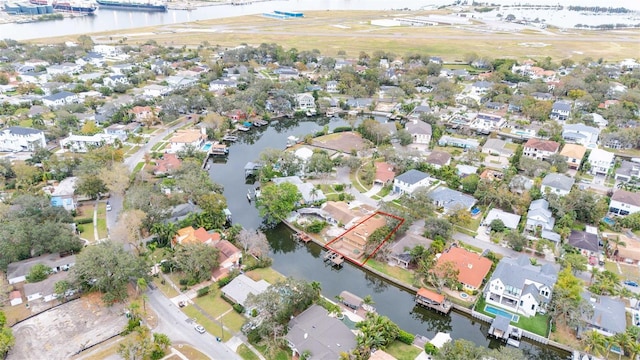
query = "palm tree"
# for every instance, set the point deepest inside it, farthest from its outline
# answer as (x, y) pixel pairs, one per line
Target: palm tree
(594, 271)
(594, 342)
(617, 242)
(622, 340)
(316, 286)
(368, 300)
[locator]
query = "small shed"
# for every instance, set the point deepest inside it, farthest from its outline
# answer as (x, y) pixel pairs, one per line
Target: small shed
(15, 298)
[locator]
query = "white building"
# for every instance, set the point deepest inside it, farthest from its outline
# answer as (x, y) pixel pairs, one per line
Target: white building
(580, 134)
(59, 99)
(518, 286)
(601, 161)
(410, 181)
(64, 68)
(305, 101)
(18, 138)
(557, 184)
(155, 91)
(624, 203)
(113, 80)
(83, 143)
(184, 138)
(487, 122)
(420, 131)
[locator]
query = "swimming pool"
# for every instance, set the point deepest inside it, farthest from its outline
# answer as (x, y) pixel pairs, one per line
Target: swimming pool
(495, 311)
(475, 211)
(206, 147)
(609, 221)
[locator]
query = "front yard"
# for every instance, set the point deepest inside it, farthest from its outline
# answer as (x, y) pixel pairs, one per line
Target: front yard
(395, 272)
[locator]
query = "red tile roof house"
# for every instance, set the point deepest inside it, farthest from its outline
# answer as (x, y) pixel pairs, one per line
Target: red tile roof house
(472, 267)
(141, 112)
(228, 259)
(384, 173)
(167, 164)
(190, 235)
(540, 149)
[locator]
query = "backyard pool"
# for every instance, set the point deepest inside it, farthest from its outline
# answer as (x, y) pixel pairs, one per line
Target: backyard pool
(206, 147)
(495, 311)
(609, 221)
(475, 211)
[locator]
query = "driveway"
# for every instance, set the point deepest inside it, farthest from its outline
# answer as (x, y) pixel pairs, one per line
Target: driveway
(180, 329)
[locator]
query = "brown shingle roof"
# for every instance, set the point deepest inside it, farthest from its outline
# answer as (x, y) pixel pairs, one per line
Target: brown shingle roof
(626, 197)
(544, 145)
(573, 151)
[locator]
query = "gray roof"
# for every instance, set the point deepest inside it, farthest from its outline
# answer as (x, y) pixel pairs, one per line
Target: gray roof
(581, 128)
(550, 235)
(558, 181)
(501, 323)
(584, 240)
(323, 336)
(412, 176)
(19, 130)
(418, 127)
(514, 272)
(608, 313)
(451, 199)
(46, 286)
(59, 95)
(21, 268)
(627, 168)
(561, 105)
(240, 287)
(482, 84)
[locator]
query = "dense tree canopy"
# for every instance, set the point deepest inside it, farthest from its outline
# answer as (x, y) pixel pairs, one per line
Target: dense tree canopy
(276, 201)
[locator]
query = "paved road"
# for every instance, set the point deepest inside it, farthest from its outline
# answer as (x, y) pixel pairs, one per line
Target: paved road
(180, 329)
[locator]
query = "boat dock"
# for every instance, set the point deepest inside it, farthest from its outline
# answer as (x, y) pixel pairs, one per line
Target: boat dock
(230, 138)
(252, 169)
(300, 236)
(433, 300)
(218, 150)
(334, 258)
(502, 330)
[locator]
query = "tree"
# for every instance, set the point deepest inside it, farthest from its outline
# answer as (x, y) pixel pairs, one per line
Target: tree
(435, 228)
(376, 331)
(594, 342)
(276, 201)
(115, 177)
(7, 340)
(497, 225)
(197, 260)
(460, 217)
(107, 267)
(91, 186)
(213, 205)
(559, 162)
(404, 137)
(320, 163)
(61, 289)
(577, 262)
(38, 272)
(194, 182)
(254, 242)
(161, 344)
(164, 233)
(470, 183)
(516, 240)
(445, 274)
(127, 230)
(138, 347)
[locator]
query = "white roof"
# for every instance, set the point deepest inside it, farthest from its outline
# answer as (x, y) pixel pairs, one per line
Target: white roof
(601, 155)
(440, 339)
(510, 220)
(304, 153)
(240, 287)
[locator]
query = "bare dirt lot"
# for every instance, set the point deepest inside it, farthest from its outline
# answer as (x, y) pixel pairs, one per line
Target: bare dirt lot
(63, 331)
(343, 142)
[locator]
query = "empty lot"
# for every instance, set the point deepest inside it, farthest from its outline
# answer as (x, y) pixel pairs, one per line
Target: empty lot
(61, 332)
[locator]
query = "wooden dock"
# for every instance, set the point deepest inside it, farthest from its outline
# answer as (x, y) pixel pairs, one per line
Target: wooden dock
(301, 236)
(334, 258)
(433, 300)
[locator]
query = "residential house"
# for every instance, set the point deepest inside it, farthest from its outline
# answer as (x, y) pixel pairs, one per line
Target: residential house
(142, 113)
(121, 69)
(520, 183)
(410, 181)
(384, 173)
(241, 286)
(540, 149)
(608, 317)
(601, 161)
(496, 147)
(627, 171)
(64, 68)
(558, 184)
(574, 154)
(189, 235)
(560, 110)
(17, 271)
(332, 87)
(451, 200)
(44, 289)
(83, 143)
(466, 170)
(154, 90)
(305, 101)
(586, 242)
(540, 221)
(472, 268)
(420, 131)
(59, 99)
(509, 220)
(121, 131)
(310, 195)
(485, 122)
(519, 286)
(315, 332)
(108, 50)
(581, 134)
(115, 80)
(167, 164)
(186, 138)
(340, 213)
(359, 103)
(237, 115)
(542, 96)
(481, 87)
(458, 142)
(17, 138)
(63, 195)
(355, 240)
(180, 82)
(438, 159)
(286, 73)
(229, 258)
(624, 203)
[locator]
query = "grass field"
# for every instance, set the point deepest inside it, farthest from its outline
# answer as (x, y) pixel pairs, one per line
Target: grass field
(351, 32)
(401, 274)
(402, 351)
(166, 289)
(213, 304)
(267, 274)
(245, 353)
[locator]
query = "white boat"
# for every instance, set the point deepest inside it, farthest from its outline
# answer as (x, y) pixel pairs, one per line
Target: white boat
(243, 128)
(292, 140)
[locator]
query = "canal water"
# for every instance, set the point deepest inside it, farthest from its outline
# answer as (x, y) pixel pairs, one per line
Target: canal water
(295, 259)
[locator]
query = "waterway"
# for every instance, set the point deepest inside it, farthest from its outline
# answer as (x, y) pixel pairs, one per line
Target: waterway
(295, 259)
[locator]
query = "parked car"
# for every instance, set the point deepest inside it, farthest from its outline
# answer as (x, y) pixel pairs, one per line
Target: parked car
(631, 283)
(200, 329)
(181, 304)
(108, 207)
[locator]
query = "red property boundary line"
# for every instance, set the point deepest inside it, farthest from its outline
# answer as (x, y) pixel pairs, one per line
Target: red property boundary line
(393, 231)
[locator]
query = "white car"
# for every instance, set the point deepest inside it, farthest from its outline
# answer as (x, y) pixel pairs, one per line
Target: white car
(108, 207)
(200, 329)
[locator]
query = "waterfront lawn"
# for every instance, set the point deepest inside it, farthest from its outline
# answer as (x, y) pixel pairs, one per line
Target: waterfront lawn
(538, 324)
(402, 351)
(396, 272)
(267, 274)
(246, 353)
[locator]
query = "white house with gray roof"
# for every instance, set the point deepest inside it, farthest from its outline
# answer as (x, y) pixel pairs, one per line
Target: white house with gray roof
(580, 134)
(509, 220)
(451, 200)
(322, 336)
(557, 184)
(560, 110)
(420, 131)
(540, 220)
(241, 286)
(17, 138)
(44, 289)
(518, 286)
(17, 271)
(410, 181)
(608, 317)
(59, 99)
(601, 161)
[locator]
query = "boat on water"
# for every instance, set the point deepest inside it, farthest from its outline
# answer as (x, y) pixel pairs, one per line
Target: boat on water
(71, 6)
(142, 5)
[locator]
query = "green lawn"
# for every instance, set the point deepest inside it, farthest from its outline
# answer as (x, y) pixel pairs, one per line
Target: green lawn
(138, 167)
(280, 355)
(158, 146)
(169, 136)
(402, 351)
(166, 289)
(384, 192)
(212, 327)
(102, 227)
(396, 272)
(267, 274)
(246, 353)
(538, 324)
(233, 321)
(213, 304)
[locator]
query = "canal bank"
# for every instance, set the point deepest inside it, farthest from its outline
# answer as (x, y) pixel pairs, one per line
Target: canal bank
(296, 259)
